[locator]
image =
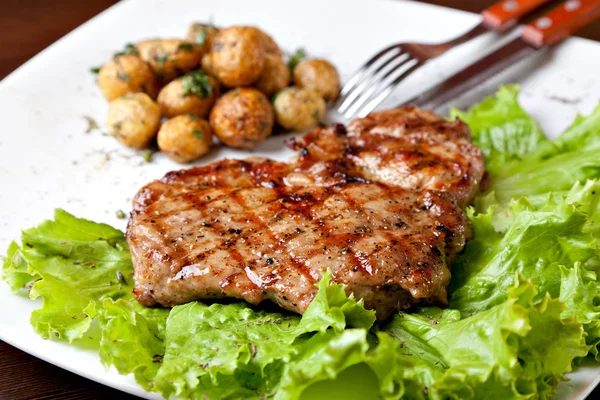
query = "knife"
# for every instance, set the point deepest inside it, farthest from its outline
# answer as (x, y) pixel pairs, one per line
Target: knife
(545, 31)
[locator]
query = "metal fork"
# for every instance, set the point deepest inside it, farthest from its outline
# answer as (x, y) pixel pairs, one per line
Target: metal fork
(380, 75)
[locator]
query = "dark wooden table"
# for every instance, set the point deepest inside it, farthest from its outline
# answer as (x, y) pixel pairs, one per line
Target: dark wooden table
(27, 27)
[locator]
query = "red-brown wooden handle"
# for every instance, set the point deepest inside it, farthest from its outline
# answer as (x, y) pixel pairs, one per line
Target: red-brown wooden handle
(561, 22)
(507, 13)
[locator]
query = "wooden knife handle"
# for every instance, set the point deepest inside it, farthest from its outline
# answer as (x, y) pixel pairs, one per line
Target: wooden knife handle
(561, 22)
(506, 13)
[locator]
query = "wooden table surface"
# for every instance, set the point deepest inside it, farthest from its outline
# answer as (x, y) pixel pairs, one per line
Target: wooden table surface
(27, 27)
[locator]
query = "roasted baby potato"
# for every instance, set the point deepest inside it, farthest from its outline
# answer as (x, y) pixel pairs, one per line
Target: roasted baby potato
(170, 58)
(242, 118)
(237, 55)
(202, 35)
(298, 109)
(318, 75)
(133, 119)
(194, 93)
(269, 44)
(275, 75)
(206, 65)
(126, 74)
(185, 138)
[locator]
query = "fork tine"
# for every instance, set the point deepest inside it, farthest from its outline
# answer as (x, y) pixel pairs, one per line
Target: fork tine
(364, 79)
(384, 93)
(370, 80)
(364, 95)
(358, 74)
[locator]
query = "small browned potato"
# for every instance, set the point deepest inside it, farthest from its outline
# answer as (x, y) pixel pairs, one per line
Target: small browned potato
(170, 58)
(133, 119)
(126, 74)
(269, 44)
(242, 118)
(206, 65)
(298, 109)
(318, 75)
(237, 55)
(194, 93)
(275, 75)
(185, 138)
(202, 35)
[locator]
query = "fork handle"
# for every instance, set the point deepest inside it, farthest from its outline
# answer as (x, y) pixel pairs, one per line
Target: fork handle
(561, 22)
(507, 13)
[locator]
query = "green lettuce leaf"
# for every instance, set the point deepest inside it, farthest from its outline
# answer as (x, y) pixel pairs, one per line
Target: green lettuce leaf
(583, 134)
(78, 263)
(401, 373)
(516, 349)
(538, 177)
(580, 292)
(332, 308)
(501, 128)
(519, 158)
(538, 241)
(321, 357)
(16, 272)
(554, 244)
(133, 339)
(209, 347)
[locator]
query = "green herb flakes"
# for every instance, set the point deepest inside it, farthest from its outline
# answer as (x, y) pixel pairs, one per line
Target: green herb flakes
(185, 47)
(201, 37)
(198, 133)
(92, 124)
(160, 59)
(147, 155)
(129, 49)
(295, 58)
(197, 83)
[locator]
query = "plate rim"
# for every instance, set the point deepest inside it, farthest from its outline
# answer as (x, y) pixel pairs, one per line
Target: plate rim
(15, 75)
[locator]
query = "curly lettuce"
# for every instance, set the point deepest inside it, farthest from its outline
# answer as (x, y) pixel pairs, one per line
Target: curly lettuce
(517, 349)
(521, 161)
(502, 129)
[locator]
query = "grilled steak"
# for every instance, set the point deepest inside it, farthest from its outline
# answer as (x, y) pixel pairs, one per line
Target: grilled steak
(407, 147)
(379, 205)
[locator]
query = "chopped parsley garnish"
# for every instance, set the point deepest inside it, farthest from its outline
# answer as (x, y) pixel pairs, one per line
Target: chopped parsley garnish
(295, 59)
(117, 125)
(316, 113)
(148, 155)
(121, 214)
(201, 37)
(185, 47)
(92, 124)
(276, 95)
(197, 83)
(160, 60)
(198, 133)
(129, 49)
(95, 70)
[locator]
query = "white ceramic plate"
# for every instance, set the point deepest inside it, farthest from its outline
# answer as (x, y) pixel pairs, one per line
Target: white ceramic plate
(49, 161)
